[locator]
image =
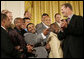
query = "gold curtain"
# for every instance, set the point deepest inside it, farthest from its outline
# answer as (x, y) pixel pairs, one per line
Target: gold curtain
(37, 8)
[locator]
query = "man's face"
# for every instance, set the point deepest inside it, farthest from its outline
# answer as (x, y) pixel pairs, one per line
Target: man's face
(54, 28)
(29, 48)
(7, 23)
(28, 15)
(27, 21)
(47, 21)
(64, 11)
(9, 15)
(31, 28)
(57, 18)
(44, 18)
(20, 23)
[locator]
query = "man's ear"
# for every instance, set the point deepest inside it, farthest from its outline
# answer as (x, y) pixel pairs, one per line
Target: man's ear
(4, 21)
(42, 19)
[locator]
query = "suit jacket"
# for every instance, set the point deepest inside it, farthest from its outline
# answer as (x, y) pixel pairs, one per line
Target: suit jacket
(35, 40)
(39, 28)
(56, 24)
(7, 48)
(39, 52)
(21, 32)
(73, 38)
(16, 38)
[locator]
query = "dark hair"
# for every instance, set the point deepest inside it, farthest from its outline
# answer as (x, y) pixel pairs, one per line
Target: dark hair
(67, 5)
(16, 19)
(45, 14)
(51, 27)
(3, 17)
(25, 12)
(5, 12)
(29, 24)
(57, 14)
(25, 18)
(53, 24)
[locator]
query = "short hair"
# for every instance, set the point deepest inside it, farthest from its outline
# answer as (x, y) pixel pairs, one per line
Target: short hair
(53, 24)
(16, 19)
(5, 12)
(25, 12)
(67, 5)
(29, 24)
(57, 14)
(45, 14)
(25, 18)
(3, 17)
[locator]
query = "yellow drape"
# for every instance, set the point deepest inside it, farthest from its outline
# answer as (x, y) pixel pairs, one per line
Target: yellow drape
(37, 8)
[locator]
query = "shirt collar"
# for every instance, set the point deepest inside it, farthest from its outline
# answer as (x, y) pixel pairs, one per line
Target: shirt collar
(3, 27)
(45, 25)
(25, 30)
(59, 24)
(70, 16)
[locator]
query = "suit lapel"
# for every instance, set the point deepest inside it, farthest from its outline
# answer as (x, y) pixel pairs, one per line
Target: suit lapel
(57, 24)
(72, 20)
(43, 26)
(2, 30)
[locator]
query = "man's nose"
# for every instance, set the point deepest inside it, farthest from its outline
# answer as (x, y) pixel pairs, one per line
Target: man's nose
(32, 28)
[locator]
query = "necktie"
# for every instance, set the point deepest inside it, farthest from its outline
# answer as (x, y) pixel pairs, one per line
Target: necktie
(68, 20)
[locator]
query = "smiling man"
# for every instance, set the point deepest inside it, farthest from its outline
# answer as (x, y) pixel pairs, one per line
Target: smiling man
(72, 33)
(32, 38)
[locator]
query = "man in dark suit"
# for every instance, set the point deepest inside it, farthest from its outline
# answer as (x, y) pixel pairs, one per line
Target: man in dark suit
(58, 19)
(18, 22)
(7, 48)
(72, 33)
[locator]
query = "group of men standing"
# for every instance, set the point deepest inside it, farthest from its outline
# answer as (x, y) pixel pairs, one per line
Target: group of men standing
(30, 41)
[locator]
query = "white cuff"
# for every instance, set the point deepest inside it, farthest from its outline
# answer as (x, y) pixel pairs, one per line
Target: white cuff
(43, 36)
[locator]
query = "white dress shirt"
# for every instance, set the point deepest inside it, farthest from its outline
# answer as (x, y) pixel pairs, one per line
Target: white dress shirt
(42, 33)
(3, 27)
(43, 36)
(59, 24)
(70, 16)
(45, 25)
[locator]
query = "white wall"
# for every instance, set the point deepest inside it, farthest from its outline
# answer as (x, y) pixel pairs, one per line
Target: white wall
(16, 7)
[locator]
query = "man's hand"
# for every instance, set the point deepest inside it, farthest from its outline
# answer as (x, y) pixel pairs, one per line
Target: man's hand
(47, 46)
(29, 48)
(64, 24)
(17, 47)
(45, 31)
